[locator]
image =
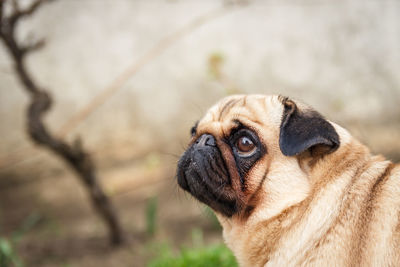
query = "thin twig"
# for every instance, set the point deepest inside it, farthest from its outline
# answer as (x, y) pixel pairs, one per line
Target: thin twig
(18, 14)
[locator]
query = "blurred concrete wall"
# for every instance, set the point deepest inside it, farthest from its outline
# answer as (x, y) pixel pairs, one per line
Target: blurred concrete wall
(342, 57)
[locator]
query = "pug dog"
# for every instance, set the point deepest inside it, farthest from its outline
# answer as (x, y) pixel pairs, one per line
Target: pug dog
(291, 188)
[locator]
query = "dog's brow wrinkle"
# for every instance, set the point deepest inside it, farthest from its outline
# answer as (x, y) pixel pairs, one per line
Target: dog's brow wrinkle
(244, 101)
(222, 131)
(226, 107)
(254, 112)
(249, 119)
(237, 122)
(263, 103)
(213, 116)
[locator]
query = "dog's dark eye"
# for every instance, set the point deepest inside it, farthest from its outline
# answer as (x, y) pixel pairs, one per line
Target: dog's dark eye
(247, 149)
(193, 130)
(245, 146)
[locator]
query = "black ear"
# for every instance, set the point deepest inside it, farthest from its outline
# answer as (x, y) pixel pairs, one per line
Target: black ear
(303, 130)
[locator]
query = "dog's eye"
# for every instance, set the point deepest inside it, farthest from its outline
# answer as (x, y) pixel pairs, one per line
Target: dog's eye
(245, 146)
(193, 130)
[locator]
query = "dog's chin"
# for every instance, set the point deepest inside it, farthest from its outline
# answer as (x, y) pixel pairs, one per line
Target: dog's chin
(202, 173)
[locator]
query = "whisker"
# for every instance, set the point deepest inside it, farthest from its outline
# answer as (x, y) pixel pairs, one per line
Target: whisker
(173, 155)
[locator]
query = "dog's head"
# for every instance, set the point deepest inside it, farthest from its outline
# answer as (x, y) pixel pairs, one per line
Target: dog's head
(245, 150)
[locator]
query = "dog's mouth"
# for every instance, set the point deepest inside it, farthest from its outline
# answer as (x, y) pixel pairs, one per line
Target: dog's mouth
(202, 172)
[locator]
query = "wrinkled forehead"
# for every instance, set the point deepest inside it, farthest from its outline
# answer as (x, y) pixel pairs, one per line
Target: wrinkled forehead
(251, 110)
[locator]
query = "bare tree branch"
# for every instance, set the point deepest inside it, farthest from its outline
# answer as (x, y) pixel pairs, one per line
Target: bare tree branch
(1, 8)
(18, 13)
(15, 5)
(41, 102)
(32, 46)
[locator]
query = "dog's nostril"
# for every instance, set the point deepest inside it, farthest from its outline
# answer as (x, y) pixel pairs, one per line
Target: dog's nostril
(210, 141)
(206, 140)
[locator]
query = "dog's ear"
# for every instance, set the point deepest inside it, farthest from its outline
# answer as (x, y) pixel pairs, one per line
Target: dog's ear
(303, 130)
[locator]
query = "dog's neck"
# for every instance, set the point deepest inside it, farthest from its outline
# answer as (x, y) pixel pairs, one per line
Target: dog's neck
(276, 216)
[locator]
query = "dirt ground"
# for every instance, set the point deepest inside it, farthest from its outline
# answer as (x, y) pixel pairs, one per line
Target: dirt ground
(68, 233)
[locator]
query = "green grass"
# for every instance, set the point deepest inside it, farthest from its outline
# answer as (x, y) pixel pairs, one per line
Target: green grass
(8, 253)
(151, 216)
(212, 256)
(198, 255)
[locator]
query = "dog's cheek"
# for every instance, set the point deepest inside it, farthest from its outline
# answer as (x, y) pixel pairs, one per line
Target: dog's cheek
(255, 191)
(232, 169)
(183, 165)
(257, 175)
(202, 172)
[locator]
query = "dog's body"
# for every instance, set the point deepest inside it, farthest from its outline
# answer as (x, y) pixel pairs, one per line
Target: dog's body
(292, 189)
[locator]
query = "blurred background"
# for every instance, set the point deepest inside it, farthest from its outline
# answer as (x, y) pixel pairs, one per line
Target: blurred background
(130, 78)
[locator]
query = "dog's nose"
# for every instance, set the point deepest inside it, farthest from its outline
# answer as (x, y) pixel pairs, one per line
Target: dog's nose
(205, 140)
